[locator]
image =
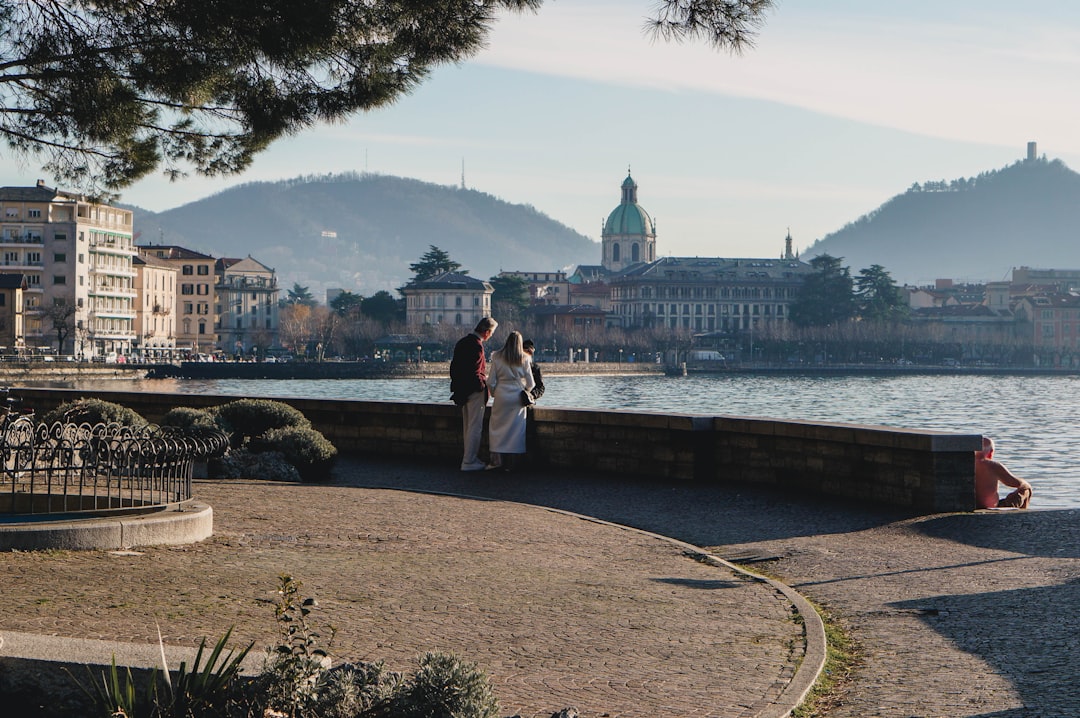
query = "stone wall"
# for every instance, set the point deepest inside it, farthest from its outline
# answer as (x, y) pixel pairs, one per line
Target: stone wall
(921, 470)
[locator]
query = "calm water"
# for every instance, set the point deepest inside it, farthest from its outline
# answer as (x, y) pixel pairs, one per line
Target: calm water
(1033, 420)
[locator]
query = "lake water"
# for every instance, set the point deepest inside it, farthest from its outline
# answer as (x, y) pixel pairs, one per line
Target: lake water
(1032, 419)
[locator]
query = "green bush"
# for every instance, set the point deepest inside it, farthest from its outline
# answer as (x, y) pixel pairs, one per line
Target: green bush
(245, 419)
(93, 411)
(305, 448)
(185, 417)
(447, 687)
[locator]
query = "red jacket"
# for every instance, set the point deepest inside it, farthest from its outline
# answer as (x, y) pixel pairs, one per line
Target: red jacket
(468, 369)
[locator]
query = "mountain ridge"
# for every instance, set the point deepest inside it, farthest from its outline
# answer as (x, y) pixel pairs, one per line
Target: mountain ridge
(973, 229)
(362, 231)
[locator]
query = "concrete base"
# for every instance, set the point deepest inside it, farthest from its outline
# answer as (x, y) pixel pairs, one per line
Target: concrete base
(183, 523)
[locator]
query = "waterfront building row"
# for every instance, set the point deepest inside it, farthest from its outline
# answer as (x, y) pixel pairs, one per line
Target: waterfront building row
(73, 281)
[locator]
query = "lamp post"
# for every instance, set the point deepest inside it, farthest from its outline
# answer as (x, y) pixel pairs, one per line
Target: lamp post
(418, 355)
(620, 355)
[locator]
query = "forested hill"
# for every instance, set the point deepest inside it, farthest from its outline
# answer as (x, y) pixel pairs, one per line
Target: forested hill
(976, 229)
(361, 232)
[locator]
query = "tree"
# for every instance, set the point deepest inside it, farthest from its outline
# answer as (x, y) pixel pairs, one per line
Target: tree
(382, 307)
(826, 296)
(877, 296)
(109, 91)
(299, 295)
(346, 303)
(433, 263)
(61, 316)
(510, 299)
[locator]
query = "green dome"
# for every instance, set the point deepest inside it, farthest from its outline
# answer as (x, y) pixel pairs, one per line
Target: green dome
(629, 217)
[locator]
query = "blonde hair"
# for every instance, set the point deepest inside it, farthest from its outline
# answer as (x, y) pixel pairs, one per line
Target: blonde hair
(511, 352)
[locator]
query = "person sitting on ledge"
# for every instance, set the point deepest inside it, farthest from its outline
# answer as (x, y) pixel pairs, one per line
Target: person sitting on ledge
(988, 473)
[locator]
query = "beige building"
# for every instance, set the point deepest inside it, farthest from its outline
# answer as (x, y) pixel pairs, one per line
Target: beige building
(155, 316)
(195, 296)
(76, 255)
(247, 306)
(448, 299)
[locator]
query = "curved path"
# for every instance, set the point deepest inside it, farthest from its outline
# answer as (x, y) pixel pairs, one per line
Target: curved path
(559, 609)
(957, 615)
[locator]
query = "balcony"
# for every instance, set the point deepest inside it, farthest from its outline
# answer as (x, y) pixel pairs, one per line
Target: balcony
(35, 239)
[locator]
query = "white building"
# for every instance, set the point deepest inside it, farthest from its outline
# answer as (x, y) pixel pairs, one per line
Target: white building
(449, 299)
(76, 255)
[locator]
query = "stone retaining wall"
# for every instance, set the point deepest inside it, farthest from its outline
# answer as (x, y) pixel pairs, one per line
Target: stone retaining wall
(921, 470)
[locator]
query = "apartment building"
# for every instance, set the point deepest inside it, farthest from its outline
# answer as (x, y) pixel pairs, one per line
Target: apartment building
(195, 295)
(76, 256)
(246, 306)
(155, 314)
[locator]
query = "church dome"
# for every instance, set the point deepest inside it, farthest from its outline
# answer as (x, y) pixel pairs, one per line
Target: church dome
(629, 218)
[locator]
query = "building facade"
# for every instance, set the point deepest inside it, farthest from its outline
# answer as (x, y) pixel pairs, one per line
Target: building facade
(76, 255)
(195, 297)
(12, 330)
(247, 306)
(155, 315)
(447, 299)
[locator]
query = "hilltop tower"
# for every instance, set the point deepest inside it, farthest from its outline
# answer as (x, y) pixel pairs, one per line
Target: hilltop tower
(629, 234)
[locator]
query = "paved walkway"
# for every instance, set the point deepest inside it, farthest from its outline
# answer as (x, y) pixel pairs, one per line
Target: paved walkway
(959, 616)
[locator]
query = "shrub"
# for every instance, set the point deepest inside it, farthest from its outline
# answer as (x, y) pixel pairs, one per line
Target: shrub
(184, 417)
(244, 419)
(243, 464)
(305, 448)
(447, 687)
(93, 411)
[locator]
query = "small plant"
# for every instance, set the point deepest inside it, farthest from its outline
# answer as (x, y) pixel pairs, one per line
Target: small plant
(93, 411)
(444, 686)
(203, 690)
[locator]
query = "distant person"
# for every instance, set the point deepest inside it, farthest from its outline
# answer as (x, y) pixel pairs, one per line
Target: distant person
(989, 473)
(510, 375)
(529, 347)
(469, 389)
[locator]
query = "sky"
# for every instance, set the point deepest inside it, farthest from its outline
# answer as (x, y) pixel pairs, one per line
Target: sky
(840, 105)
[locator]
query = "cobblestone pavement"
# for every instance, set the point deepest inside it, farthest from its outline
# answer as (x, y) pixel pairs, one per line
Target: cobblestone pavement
(959, 616)
(558, 610)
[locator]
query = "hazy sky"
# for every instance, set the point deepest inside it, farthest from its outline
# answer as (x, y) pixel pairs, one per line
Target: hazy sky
(841, 105)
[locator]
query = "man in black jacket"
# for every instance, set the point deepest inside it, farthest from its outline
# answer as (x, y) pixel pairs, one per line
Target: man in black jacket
(468, 387)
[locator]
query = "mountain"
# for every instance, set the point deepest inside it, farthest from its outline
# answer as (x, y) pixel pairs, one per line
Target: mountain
(976, 229)
(361, 232)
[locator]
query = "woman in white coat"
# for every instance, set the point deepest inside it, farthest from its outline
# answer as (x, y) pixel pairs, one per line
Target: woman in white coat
(510, 374)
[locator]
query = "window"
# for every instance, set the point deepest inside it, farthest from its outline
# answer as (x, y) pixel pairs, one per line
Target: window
(11, 212)
(204, 270)
(457, 303)
(202, 289)
(3, 300)
(11, 257)
(82, 258)
(60, 236)
(187, 270)
(239, 323)
(614, 253)
(188, 307)
(59, 257)
(187, 289)
(34, 213)
(202, 327)
(59, 279)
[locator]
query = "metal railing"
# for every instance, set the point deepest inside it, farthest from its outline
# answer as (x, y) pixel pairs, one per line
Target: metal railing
(68, 468)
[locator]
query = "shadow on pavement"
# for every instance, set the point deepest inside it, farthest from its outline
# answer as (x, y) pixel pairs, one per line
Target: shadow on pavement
(1026, 634)
(1053, 534)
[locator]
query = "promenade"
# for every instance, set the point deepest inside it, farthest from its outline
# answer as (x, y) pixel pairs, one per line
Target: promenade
(967, 615)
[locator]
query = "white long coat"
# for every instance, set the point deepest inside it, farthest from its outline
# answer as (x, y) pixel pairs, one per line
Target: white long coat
(506, 430)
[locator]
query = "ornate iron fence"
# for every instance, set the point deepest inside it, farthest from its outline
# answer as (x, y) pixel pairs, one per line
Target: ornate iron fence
(104, 468)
